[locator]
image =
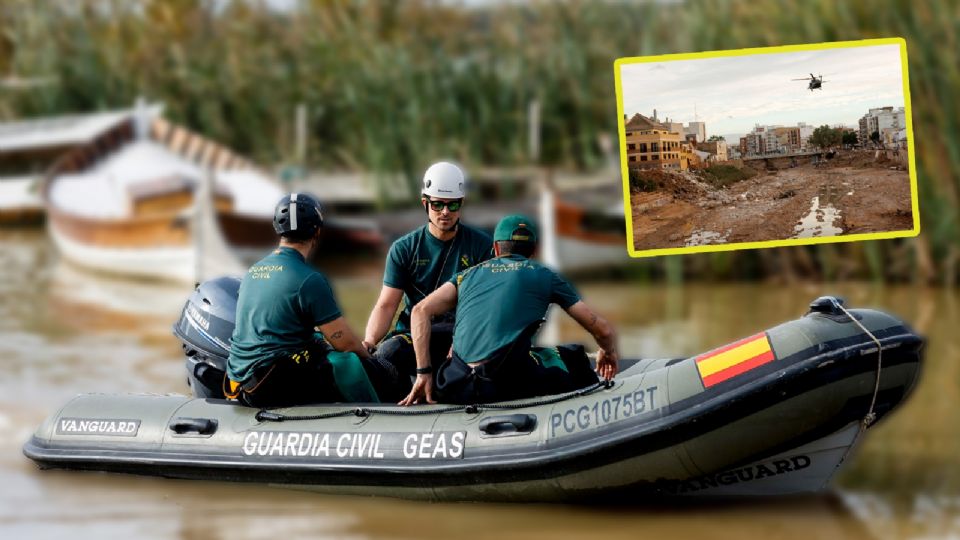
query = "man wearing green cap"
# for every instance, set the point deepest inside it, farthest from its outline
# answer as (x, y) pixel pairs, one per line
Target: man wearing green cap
(500, 305)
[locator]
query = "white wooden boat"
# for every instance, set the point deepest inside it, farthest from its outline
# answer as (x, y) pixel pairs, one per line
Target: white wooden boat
(29, 147)
(20, 204)
(582, 231)
(132, 202)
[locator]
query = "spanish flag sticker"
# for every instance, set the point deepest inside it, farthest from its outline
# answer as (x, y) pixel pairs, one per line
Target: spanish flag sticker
(731, 360)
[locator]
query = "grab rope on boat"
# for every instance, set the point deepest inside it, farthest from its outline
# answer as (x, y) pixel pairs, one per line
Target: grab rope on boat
(266, 415)
(871, 415)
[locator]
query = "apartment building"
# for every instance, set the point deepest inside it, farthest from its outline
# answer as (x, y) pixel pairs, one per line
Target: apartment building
(879, 119)
(651, 145)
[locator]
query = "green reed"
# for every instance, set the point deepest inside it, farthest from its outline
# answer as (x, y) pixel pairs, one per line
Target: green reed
(391, 86)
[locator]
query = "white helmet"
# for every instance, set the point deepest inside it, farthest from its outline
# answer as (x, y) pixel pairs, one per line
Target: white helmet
(444, 180)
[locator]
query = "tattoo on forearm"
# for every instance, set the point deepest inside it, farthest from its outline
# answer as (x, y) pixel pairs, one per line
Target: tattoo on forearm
(337, 335)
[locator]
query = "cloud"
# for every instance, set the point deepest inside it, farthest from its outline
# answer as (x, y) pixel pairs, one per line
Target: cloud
(758, 88)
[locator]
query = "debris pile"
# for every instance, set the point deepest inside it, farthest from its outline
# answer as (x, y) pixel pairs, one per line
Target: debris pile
(681, 185)
(684, 209)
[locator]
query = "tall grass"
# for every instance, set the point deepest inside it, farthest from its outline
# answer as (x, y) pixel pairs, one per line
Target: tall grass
(390, 86)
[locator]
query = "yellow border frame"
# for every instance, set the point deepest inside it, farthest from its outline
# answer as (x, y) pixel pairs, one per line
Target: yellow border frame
(621, 131)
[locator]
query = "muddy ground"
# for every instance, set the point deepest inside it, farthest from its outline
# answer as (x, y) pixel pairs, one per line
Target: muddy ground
(845, 197)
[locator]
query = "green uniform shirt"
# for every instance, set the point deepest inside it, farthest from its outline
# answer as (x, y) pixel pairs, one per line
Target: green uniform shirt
(281, 299)
(499, 299)
(418, 263)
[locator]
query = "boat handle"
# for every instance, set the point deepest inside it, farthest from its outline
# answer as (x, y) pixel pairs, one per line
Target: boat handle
(508, 424)
(200, 426)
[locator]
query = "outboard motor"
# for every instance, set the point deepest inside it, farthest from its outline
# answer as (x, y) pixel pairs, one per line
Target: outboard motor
(204, 330)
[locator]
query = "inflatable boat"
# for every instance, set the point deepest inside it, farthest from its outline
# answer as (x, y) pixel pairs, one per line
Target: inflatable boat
(774, 413)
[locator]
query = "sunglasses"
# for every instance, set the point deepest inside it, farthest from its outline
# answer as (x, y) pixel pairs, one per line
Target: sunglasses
(453, 206)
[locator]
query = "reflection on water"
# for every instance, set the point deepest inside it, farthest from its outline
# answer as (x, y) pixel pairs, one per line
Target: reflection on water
(819, 221)
(64, 332)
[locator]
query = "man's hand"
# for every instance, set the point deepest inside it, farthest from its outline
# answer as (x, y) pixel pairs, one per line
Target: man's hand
(601, 331)
(606, 364)
(372, 349)
(439, 301)
(422, 391)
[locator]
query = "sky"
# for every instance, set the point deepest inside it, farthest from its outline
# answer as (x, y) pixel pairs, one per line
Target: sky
(732, 94)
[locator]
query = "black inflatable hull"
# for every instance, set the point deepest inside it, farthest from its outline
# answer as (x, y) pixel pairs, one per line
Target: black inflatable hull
(666, 427)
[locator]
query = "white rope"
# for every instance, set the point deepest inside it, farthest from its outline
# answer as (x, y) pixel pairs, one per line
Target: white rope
(871, 416)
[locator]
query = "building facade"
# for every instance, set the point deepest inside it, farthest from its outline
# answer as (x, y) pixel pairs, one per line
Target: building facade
(769, 143)
(806, 131)
(717, 148)
(698, 130)
(672, 127)
(765, 140)
(878, 119)
(751, 144)
(651, 145)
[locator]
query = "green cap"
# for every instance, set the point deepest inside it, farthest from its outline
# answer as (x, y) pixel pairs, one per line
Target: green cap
(517, 228)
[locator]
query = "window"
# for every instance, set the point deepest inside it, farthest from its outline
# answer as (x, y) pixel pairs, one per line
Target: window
(655, 157)
(631, 146)
(654, 147)
(643, 147)
(642, 158)
(633, 158)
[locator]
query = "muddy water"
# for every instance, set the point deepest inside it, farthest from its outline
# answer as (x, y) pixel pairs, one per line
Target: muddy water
(822, 218)
(63, 332)
(818, 221)
(702, 238)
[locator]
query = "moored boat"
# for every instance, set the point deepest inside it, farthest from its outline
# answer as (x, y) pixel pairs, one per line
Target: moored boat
(127, 202)
(583, 236)
(20, 205)
(30, 146)
(774, 413)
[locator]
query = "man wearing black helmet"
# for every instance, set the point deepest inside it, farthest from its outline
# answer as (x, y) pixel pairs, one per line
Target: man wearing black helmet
(275, 359)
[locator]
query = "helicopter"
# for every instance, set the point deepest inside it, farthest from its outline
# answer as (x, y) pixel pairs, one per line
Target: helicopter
(815, 82)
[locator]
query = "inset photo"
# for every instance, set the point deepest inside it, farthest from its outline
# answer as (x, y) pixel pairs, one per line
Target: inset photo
(767, 147)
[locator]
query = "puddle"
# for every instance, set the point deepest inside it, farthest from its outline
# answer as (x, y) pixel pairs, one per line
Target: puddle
(819, 221)
(702, 238)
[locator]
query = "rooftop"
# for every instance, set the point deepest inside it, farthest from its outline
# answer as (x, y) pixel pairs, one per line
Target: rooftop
(51, 132)
(639, 121)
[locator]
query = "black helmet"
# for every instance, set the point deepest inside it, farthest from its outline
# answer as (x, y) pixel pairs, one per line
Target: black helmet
(298, 216)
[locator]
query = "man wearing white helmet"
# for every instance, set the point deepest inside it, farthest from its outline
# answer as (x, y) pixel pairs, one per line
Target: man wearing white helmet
(421, 261)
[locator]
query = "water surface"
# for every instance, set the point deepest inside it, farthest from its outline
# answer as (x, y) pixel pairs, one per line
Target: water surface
(64, 331)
